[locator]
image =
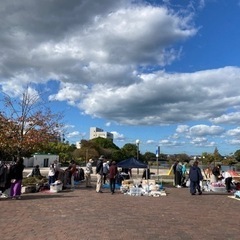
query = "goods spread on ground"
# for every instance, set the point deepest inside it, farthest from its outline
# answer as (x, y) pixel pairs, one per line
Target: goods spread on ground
(142, 188)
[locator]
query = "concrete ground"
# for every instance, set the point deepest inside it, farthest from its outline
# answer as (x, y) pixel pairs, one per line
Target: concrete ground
(86, 215)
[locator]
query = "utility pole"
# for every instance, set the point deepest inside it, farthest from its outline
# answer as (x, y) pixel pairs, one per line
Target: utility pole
(157, 156)
(137, 144)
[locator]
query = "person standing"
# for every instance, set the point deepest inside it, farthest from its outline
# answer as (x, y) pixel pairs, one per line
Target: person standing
(72, 170)
(88, 172)
(16, 176)
(179, 175)
(57, 169)
(99, 172)
(112, 176)
(184, 172)
(51, 174)
(174, 172)
(195, 176)
(105, 170)
(146, 174)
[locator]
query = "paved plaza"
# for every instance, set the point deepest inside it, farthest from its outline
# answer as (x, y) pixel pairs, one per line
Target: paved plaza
(84, 214)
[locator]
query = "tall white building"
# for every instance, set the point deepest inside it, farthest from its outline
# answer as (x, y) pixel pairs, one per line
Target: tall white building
(98, 132)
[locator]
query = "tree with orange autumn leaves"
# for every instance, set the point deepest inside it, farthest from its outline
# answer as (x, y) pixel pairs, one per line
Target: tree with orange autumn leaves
(27, 125)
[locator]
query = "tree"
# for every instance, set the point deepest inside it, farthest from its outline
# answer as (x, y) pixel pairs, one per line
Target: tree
(64, 150)
(104, 143)
(27, 125)
(129, 150)
(117, 155)
(237, 155)
(183, 157)
(229, 160)
(89, 149)
(217, 156)
(149, 156)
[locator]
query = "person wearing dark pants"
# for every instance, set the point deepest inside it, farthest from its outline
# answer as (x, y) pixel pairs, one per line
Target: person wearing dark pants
(16, 176)
(178, 175)
(112, 176)
(174, 172)
(195, 176)
(105, 170)
(228, 180)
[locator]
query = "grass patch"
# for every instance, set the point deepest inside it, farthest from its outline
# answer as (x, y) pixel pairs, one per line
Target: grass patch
(34, 180)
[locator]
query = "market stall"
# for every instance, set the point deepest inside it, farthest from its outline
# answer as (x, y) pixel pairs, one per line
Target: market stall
(220, 185)
(139, 187)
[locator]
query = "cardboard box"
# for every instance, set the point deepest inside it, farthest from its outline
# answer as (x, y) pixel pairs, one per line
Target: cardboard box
(127, 181)
(149, 182)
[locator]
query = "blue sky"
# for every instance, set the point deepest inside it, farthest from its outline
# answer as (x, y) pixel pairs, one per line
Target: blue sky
(164, 72)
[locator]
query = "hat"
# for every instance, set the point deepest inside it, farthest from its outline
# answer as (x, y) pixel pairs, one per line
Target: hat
(90, 160)
(102, 157)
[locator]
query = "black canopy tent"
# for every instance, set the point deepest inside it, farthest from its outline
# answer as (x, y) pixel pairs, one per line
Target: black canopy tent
(132, 163)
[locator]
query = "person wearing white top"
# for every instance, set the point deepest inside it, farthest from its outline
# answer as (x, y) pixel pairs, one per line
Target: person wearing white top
(51, 174)
(105, 170)
(228, 180)
(88, 173)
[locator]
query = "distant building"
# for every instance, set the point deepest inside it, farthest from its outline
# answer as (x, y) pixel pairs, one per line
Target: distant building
(78, 145)
(98, 132)
(41, 159)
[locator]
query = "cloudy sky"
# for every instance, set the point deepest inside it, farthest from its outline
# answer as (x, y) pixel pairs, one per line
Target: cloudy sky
(164, 72)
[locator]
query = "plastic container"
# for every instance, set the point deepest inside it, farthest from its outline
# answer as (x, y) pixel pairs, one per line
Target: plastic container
(56, 187)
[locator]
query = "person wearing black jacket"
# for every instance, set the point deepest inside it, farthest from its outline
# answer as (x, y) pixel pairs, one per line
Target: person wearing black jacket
(99, 172)
(16, 176)
(217, 173)
(36, 172)
(195, 176)
(146, 174)
(174, 172)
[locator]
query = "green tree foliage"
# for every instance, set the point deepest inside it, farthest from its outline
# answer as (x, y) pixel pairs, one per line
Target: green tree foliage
(129, 150)
(104, 143)
(149, 157)
(172, 158)
(217, 156)
(118, 155)
(237, 155)
(211, 158)
(229, 160)
(64, 150)
(82, 155)
(207, 158)
(163, 157)
(90, 144)
(89, 149)
(183, 157)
